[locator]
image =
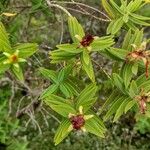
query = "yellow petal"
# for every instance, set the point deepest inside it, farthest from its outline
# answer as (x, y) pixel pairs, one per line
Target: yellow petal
(81, 109)
(71, 115)
(86, 117)
(83, 129)
(78, 37)
(147, 1)
(9, 14)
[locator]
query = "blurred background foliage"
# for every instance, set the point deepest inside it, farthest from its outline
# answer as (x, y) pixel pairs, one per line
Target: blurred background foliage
(35, 22)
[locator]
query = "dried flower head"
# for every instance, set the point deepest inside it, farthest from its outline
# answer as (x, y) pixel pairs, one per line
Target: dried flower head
(139, 53)
(87, 40)
(142, 100)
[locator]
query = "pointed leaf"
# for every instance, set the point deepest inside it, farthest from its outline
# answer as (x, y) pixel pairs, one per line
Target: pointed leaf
(4, 40)
(121, 108)
(26, 49)
(75, 28)
(93, 126)
(88, 68)
(86, 97)
(133, 91)
(59, 105)
(17, 72)
(118, 81)
(129, 105)
(49, 74)
(62, 131)
(113, 108)
(71, 48)
(46, 93)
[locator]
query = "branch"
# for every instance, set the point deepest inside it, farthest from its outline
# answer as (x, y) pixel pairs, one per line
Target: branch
(58, 6)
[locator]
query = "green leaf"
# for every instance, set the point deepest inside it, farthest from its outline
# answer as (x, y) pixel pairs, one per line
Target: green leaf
(117, 25)
(4, 67)
(67, 70)
(133, 90)
(71, 48)
(75, 29)
(108, 8)
(86, 57)
(134, 5)
(72, 88)
(60, 55)
(17, 72)
(116, 7)
(51, 89)
(102, 43)
(141, 79)
(114, 107)
(127, 40)
(64, 90)
(62, 131)
(127, 73)
(59, 105)
(88, 68)
(118, 81)
(140, 17)
(129, 105)
(138, 37)
(135, 68)
(139, 22)
(26, 49)
(131, 25)
(126, 18)
(93, 125)
(110, 26)
(61, 75)
(113, 96)
(121, 108)
(4, 40)
(49, 74)
(117, 53)
(86, 97)
(69, 92)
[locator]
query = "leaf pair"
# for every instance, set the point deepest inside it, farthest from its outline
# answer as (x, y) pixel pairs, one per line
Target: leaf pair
(60, 82)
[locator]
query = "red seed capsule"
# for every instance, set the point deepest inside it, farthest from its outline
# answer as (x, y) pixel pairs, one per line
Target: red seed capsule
(77, 121)
(87, 40)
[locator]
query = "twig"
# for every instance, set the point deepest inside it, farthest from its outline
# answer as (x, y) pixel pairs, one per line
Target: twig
(62, 30)
(33, 119)
(88, 14)
(44, 116)
(57, 6)
(51, 115)
(81, 4)
(11, 98)
(108, 76)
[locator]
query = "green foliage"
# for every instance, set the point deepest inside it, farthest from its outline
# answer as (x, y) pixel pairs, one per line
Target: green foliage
(74, 86)
(82, 47)
(124, 15)
(79, 106)
(9, 126)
